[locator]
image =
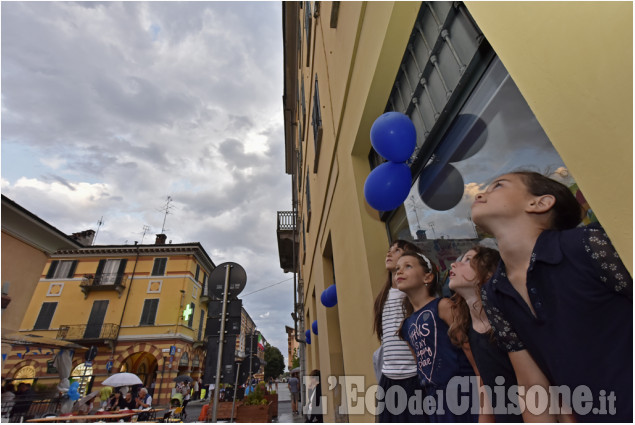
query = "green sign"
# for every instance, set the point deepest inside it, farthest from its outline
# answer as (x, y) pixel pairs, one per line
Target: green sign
(187, 312)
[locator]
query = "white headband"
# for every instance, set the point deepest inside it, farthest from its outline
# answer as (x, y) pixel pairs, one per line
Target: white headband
(426, 260)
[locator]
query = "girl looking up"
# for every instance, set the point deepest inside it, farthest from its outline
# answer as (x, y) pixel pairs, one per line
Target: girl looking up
(471, 326)
(426, 330)
(398, 367)
(560, 296)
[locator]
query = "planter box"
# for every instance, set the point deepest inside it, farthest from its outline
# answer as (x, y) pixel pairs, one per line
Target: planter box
(254, 414)
(224, 410)
(273, 398)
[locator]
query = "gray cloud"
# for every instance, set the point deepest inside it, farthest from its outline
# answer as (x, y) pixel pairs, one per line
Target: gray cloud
(123, 104)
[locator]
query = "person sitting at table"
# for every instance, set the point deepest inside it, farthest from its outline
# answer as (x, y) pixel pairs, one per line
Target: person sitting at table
(127, 403)
(144, 401)
(113, 401)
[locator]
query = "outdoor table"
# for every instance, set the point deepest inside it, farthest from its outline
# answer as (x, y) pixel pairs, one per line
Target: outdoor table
(87, 418)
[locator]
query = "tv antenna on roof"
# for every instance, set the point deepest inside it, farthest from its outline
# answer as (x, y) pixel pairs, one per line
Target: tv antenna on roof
(167, 211)
(99, 223)
(145, 230)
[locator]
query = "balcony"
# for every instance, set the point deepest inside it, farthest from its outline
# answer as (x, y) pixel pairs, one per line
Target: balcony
(88, 333)
(287, 243)
(103, 282)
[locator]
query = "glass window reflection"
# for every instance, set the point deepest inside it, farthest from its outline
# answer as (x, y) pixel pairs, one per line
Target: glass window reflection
(495, 132)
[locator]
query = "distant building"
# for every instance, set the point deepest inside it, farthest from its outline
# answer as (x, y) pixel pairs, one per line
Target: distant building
(292, 346)
(143, 306)
(27, 244)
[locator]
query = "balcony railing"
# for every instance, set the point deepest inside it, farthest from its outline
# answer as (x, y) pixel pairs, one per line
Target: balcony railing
(88, 332)
(286, 220)
(287, 241)
(104, 282)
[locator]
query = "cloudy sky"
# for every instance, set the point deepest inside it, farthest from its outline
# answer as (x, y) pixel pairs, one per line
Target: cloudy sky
(109, 108)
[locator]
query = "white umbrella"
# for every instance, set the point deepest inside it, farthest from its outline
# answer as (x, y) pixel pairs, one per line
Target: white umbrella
(122, 379)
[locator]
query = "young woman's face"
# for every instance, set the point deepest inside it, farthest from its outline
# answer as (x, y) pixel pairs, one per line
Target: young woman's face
(462, 275)
(392, 256)
(410, 274)
(506, 197)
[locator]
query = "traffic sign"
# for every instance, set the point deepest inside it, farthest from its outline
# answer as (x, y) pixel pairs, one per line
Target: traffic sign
(237, 280)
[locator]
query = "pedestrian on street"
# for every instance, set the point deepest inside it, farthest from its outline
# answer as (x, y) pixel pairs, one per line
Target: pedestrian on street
(294, 389)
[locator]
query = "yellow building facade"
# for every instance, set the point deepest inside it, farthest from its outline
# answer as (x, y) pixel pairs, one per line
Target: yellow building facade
(490, 87)
(144, 308)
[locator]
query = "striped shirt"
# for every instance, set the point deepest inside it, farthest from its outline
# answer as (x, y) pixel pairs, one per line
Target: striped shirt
(398, 362)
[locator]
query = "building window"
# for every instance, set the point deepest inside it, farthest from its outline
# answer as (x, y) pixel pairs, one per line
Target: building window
(443, 42)
(61, 269)
(307, 28)
(493, 133)
(84, 375)
(190, 319)
(303, 120)
(316, 122)
(149, 313)
(43, 320)
(198, 272)
(110, 272)
(159, 266)
(308, 198)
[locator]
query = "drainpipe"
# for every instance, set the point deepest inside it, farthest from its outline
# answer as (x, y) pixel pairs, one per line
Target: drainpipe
(127, 296)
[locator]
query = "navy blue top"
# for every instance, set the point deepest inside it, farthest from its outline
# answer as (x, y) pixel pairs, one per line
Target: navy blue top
(438, 360)
(493, 363)
(582, 334)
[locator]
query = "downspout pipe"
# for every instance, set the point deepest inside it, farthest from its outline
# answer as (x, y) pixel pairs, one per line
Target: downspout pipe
(127, 294)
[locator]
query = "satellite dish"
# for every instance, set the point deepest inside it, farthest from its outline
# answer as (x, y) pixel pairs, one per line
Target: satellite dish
(237, 280)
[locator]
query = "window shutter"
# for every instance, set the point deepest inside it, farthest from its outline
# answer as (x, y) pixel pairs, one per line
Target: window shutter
(71, 272)
(52, 268)
(149, 312)
(100, 267)
(158, 269)
(120, 271)
(46, 315)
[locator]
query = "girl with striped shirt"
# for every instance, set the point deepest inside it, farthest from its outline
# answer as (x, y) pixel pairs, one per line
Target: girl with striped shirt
(398, 367)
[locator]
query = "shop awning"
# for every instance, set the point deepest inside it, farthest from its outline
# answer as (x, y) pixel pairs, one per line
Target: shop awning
(38, 341)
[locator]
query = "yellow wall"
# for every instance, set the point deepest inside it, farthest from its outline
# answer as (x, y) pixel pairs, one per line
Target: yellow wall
(573, 63)
(356, 65)
(21, 266)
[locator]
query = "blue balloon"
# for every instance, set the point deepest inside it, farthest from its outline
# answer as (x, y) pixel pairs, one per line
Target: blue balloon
(387, 186)
(314, 327)
(393, 135)
(329, 296)
(307, 335)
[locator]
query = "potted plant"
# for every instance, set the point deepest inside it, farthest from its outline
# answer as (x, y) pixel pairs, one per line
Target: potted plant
(255, 407)
(272, 396)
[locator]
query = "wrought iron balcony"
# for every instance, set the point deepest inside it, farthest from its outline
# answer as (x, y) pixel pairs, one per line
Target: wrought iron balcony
(287, 241)
(103, 282)
(104, 331)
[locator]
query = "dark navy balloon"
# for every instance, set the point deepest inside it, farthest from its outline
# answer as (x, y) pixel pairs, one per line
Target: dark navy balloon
(314, 327)
(387, 186)
(307, 335)
(393, 135)
(329, 296)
